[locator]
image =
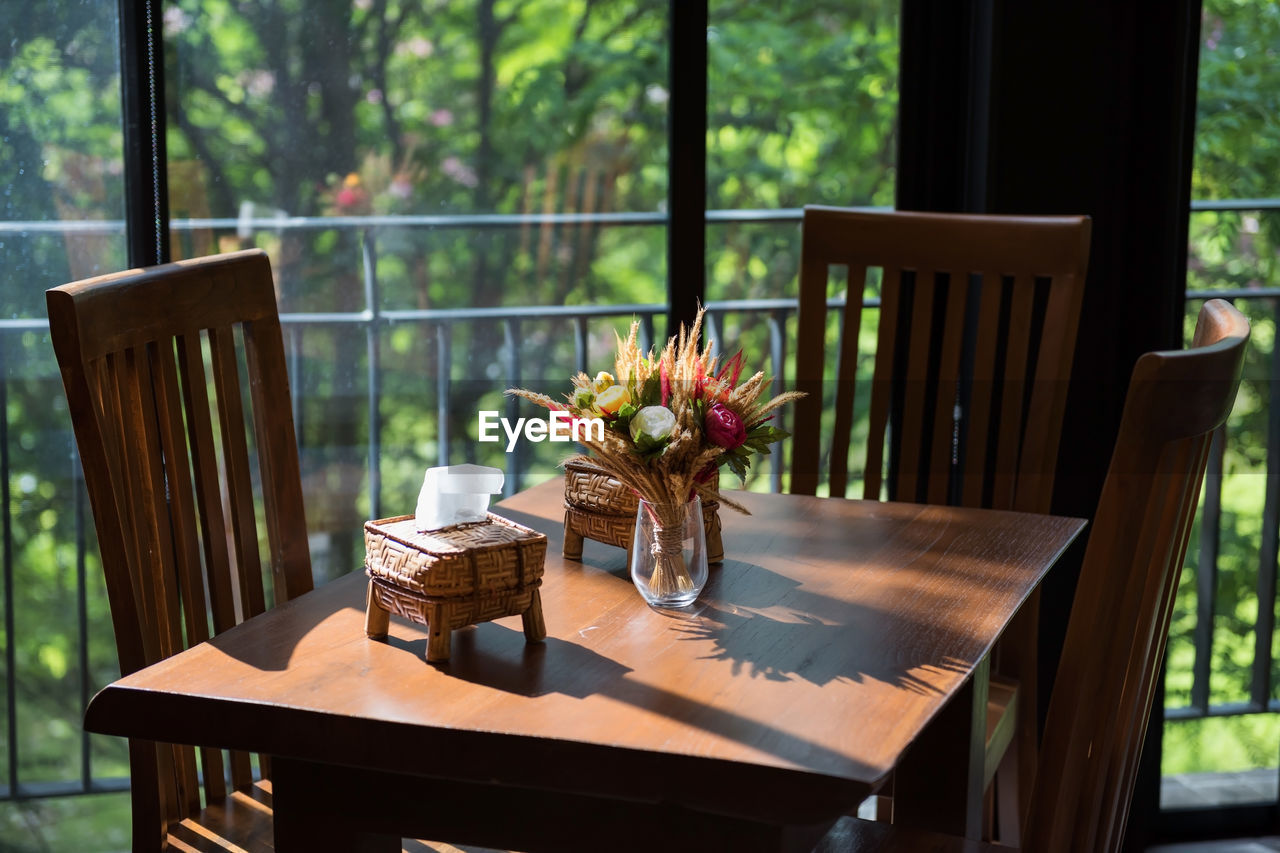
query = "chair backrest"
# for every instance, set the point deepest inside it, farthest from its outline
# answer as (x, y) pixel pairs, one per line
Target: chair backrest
(977, 385)
(1119, 623)
(168, 466)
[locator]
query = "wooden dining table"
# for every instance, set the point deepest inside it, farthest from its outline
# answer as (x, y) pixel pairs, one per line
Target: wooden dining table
(840, 641)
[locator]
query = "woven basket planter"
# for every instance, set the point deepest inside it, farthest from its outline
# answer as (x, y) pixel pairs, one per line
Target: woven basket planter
(448, 579)
(598, 507)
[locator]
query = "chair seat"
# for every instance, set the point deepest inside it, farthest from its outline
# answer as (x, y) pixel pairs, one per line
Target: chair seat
(852, 834)
(241, 822)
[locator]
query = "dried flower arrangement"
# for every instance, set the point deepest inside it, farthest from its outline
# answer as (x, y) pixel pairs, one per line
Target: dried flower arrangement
(671, 421)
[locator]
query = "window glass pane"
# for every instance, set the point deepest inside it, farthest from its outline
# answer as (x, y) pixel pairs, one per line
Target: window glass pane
(802, 109)
(802, 103)
(61, 218)
(397, 159)
(1217, 750)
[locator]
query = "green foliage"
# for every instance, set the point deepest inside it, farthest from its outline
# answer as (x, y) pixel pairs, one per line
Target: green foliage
(1237, 155)
(86, 824)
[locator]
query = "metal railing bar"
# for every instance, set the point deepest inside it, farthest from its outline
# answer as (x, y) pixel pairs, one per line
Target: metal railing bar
(1264, 627)
(82, 610)
(1225, 709)
(546, 312)
(1228, 204)
(647, 335)
(1207, 572)
(444, 382)
(45, 790)
(321, 223)
(750, 305)
(580, 343)
(10, 618)
(442, 315)
(764, 216)
(511, 340)
(62, 226)
(1234, 293)
(497, 220)
(430, 220)
(777, 320)
(522, 312)
(295, 380)
(369, 257)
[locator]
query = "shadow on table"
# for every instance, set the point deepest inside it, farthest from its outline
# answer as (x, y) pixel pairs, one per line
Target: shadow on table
(506, 662)
(822, 639)
(560, 666)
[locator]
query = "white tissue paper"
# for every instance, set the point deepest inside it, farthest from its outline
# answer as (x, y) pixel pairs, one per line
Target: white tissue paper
(456, 494)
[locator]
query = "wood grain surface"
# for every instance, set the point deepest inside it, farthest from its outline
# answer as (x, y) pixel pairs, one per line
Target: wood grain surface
(833, 632)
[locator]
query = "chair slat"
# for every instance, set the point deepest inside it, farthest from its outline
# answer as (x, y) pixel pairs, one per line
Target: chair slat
(134, 512)
(1013, 390)
(811, 324)
(948, 375)
(235, 451)
(915, 387)
(157, 531)
(186, 529)
(195, 393)
(155, 528)
(1034, 490)
(248, 564)
(846, 380)
(278, 461)
(882, 381)
(982, 389)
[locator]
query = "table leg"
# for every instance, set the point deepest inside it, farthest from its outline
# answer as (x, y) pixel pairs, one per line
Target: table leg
(308, 814)
(938, 784)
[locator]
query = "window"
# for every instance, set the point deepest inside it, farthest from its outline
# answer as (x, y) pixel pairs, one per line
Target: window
(1221, 731)
(457, 198)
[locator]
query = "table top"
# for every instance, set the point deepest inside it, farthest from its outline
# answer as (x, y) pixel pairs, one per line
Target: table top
(832, 633)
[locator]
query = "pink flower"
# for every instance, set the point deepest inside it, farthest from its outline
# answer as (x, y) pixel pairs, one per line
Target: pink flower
(350, 197)
(459, 171)
(401, 187)
(723, 427)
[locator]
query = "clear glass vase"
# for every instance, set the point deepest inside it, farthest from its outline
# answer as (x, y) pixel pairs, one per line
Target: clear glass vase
(669, 552)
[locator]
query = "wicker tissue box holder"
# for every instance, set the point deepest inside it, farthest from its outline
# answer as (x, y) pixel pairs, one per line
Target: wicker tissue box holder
(454, 577)
(599, 508)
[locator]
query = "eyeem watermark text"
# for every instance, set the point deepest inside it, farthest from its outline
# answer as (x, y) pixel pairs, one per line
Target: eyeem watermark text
(559, 426)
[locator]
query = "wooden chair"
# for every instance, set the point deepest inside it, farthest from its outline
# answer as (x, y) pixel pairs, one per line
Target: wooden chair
(169, 477)
(1119, 623)
(975, 391)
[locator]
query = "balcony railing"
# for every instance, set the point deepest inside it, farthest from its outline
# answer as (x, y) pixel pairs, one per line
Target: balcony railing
(440, 323)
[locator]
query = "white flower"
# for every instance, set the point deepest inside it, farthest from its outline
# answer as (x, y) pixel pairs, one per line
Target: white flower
(657, 422)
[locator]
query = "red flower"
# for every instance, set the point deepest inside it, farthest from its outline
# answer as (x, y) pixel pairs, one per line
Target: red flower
(723, 427)
(350, 197)
(732, 370)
